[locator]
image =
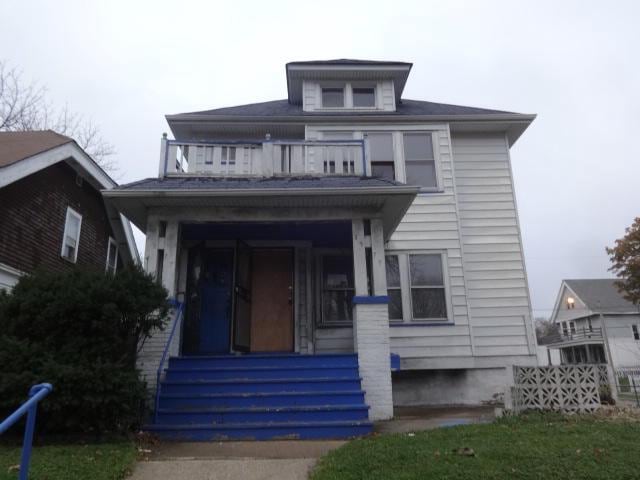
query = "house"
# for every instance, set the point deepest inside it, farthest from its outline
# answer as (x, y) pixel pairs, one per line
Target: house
(52, 214)
(596, 324)
(310, 238)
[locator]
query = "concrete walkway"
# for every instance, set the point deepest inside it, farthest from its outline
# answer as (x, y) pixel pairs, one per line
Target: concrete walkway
(281, 459)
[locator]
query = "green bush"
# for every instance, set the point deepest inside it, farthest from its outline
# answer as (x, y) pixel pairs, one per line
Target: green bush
(79, 331)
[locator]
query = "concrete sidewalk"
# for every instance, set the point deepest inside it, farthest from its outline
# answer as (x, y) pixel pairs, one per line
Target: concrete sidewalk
(281, 459)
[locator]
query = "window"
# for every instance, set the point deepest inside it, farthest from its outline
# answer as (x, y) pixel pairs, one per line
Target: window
(420, 164)
(416, 287)
(589, 325)
(636, 334)
(381, 155)
(428, 299)
(364, 96)
(228, 156)
(71, 236)
(565, 329)
(332, 97)
(337, 289)
(394, 290)
(572, 327)
(112, 256)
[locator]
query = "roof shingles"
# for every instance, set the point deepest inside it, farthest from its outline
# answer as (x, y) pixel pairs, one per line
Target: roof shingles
(17, 146)
(600, 295)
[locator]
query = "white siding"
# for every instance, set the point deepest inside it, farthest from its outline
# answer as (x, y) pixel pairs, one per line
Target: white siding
(432, 223)
(493, 260)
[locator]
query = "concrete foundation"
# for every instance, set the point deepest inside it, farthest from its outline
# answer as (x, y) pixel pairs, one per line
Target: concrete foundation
(481, 386)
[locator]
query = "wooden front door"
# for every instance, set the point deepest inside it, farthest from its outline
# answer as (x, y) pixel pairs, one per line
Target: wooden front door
(272, 300)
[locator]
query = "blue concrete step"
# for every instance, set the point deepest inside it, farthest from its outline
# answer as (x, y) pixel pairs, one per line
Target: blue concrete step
(218, 416)
(266, 385)
(263, 372)
(261, 399)
(263, 431)
(266, 360)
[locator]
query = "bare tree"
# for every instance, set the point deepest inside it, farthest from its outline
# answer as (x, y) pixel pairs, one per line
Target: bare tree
(24, 106)
(546, 330)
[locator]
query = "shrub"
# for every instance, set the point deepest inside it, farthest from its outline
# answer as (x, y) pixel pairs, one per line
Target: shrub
(79, 331)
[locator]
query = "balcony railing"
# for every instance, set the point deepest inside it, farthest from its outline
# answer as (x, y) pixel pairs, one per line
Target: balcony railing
(578, 335)
(267, 158)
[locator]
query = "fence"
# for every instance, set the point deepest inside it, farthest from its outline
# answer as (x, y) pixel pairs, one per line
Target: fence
(628, 384)
(566, 388)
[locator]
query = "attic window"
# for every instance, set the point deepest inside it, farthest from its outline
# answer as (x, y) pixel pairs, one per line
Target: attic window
(332, 97)
(364, 97)
(571, 303)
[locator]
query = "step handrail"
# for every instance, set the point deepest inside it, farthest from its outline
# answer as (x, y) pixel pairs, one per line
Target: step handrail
(178, 319)
(36, 393)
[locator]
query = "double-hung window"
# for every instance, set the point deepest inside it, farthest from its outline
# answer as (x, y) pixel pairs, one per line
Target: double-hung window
(332, 97)
(337, 287)
(71, 236)
(112, 256)
(364, 97)
(381, 155)
(420, 165)
(417, 288)
(228, 159)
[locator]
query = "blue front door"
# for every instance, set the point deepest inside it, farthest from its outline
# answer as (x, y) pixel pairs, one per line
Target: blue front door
(209, 291)
(215, 306)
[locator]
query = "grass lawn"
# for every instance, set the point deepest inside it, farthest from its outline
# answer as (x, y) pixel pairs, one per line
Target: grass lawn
(105, 461)
(528, 447)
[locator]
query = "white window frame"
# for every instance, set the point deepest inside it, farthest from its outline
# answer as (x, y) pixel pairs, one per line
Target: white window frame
(113, 242)
(405, 285)
(71, 213)
(436, 158)
(347, 92)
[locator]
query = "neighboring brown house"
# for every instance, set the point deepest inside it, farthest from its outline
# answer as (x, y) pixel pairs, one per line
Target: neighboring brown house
(52, 214)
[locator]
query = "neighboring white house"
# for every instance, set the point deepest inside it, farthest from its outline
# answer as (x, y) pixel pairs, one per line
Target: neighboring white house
(349, 219)
(596, 324)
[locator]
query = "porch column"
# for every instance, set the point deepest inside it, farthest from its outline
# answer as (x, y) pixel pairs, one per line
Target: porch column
(160, 260)
(371, 321)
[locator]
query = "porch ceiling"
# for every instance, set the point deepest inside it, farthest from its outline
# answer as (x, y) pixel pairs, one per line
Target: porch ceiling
(389, 203)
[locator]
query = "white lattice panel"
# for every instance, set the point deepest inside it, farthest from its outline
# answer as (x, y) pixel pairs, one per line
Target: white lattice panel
(569, 389)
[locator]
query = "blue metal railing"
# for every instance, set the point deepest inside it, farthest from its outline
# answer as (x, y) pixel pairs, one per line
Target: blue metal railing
(179, 309)
(36, 393)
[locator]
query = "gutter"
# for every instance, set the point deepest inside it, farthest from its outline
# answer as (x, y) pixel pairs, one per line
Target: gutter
(254, 192)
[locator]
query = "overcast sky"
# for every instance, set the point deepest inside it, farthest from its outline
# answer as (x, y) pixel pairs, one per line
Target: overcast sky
(125, 64)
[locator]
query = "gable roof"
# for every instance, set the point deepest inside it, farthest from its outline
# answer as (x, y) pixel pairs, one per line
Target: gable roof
(600, 295)
(282, 108)
(25, 153)
(16, 146)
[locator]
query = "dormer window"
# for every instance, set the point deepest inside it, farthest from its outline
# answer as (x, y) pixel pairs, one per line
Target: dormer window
(364, 97)
(332, 97)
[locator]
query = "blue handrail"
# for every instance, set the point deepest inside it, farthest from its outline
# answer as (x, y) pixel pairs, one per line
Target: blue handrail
(36, 393)
(180, 308)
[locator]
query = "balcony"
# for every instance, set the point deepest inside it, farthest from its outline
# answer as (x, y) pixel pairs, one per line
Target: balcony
(263, 158)
(581, 336)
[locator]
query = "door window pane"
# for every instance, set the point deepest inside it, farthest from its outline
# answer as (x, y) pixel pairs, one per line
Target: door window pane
(394, 291)
(333, 97)
(395, 305)
(364, 97)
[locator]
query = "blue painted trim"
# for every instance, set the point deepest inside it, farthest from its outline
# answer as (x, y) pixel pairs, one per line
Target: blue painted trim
(36, 393)
(180, 307)
(395, 362)
(422, 324)
(371, 300)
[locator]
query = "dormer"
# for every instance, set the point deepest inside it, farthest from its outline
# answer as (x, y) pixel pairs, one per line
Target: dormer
(346, 85)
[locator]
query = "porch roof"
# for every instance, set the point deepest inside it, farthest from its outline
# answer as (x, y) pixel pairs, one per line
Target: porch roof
(257, 198)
